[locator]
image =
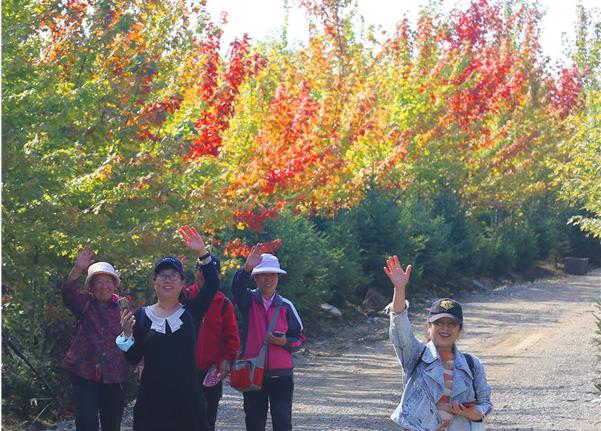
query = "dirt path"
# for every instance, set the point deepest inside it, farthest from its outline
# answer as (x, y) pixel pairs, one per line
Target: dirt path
(536, 341)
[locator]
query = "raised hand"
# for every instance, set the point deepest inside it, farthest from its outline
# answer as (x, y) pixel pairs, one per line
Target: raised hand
(254, 257)
(128, 320)
(396, 274)
(399, 279)
(193, 240)
(85, 257)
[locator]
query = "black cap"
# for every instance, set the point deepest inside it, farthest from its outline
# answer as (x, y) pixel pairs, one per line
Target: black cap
(169, 262)
(446, 307)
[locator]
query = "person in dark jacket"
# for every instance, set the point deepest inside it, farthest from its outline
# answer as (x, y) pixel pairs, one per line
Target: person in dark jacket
(165, 334)
(98, 369)
(257, 307)
(218, 342)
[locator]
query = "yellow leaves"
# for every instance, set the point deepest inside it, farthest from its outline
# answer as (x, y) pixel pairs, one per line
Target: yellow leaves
(102, 173)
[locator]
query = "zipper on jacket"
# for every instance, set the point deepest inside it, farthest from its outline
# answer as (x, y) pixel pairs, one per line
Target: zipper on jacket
(266, 329)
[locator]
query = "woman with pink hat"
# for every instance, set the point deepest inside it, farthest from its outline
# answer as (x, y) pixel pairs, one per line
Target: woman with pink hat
(99, 371)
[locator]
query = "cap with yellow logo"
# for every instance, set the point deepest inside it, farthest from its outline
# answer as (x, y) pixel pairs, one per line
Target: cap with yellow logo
(446, 307)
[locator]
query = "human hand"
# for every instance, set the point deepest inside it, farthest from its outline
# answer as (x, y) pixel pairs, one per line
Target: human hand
(224, 367)
(254, 257)
(468, 410)
(277, 340)
(138, 369)
(193, 240)
(128, 320)
(395, 273)
(85, 257)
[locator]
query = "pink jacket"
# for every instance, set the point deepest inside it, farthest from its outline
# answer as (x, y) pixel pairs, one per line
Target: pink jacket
(256, 320)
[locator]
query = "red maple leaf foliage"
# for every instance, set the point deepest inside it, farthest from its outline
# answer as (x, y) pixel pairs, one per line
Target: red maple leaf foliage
(253, 219)
(220, 98)
(235, 249)
(566, 94)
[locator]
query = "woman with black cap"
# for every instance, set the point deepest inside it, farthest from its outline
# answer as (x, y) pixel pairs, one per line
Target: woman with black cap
(164, 334)
(444, 389)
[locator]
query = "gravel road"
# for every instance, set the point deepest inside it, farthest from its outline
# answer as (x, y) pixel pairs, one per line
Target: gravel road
(536, 341)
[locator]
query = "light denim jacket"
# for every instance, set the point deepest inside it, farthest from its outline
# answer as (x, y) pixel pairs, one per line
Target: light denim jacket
(417, 410)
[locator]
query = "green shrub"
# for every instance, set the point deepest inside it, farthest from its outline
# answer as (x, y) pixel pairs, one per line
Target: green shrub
(582, 244)
(309, 262)
(348, 277)
(34, 319)
(496, 257)
(545, 220)
(524, 241)
(382, 230)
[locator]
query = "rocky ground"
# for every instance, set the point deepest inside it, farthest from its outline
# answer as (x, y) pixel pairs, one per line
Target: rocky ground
(536, 341)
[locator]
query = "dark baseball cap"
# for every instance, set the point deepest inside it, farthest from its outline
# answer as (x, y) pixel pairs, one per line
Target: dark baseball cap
(446, 307)
(169, 262)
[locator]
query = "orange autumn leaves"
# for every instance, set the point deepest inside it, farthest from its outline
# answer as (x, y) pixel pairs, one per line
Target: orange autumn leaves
(463, 99)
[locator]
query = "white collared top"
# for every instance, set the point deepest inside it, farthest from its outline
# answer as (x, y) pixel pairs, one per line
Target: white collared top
(159, 324)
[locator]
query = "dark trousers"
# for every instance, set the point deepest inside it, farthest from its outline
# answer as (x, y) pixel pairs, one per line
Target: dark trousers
(213, 396)
(91, 399)
(278, 392)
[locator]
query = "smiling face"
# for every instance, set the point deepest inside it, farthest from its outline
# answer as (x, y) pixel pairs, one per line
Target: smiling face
(444, 332)
(103, 286)
(267, 283)
(168, 283)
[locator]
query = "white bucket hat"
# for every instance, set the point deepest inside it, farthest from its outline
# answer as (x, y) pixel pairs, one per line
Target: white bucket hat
(102, 268)
(269, 264)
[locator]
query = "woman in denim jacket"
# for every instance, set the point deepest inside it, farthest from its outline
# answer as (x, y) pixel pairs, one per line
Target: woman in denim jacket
(440, 390)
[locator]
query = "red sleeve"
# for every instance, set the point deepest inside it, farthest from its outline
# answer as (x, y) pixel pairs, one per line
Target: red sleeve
(230, 335)
(192, 291)
(73, 298)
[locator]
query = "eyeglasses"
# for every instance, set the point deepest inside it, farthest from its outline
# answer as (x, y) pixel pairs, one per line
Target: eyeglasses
(171, 276)
(450, 323)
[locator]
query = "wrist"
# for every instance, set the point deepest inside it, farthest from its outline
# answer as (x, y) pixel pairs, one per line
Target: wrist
(248, 268)
(203, 256)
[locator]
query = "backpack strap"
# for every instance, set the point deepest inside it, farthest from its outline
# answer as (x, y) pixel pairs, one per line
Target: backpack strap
(261, 356)
(224, 305)
(470, 362)
(421, 355)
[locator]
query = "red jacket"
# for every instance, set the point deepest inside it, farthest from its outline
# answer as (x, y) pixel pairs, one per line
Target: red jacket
(218, 337)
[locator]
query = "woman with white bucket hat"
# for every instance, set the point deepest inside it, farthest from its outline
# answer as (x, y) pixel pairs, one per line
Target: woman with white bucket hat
(258, 307)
